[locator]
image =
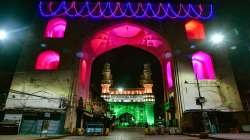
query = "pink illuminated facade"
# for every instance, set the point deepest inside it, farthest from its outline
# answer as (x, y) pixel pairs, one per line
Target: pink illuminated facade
(117, 36)
(63, 70)
(47, 60)
(55, 28)
(203, 66)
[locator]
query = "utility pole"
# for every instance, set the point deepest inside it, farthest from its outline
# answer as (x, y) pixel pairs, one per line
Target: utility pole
(200, 101)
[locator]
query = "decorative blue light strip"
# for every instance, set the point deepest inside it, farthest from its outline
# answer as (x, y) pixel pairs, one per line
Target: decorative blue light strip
(125, 9)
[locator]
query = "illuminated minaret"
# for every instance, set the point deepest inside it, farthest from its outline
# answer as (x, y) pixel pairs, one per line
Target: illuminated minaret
(149, 99)
(106, 81)
(146, 81)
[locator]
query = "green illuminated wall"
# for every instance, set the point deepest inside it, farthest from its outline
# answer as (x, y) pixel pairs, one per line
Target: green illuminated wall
(149, 113)
(142, 112)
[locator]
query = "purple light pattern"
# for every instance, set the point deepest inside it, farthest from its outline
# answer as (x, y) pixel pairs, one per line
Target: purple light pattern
(125, 9)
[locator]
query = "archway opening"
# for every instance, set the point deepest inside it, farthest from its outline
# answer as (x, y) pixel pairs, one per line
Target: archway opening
(126, 64)
(135, 36)
(126, 120)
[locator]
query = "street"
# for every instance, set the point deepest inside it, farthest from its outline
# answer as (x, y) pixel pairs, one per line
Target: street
(131, 134)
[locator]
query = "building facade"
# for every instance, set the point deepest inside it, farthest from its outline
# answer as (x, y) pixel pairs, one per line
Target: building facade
(52, 75)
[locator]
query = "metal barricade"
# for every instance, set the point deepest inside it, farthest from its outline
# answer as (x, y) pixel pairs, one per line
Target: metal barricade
(94, 129)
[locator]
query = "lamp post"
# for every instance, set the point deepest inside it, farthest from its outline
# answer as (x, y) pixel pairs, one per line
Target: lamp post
(200, 101)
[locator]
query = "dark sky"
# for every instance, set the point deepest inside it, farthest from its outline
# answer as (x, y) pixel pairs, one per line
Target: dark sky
(22, 14)
(16, 17)
(233, 16)
(127, 66)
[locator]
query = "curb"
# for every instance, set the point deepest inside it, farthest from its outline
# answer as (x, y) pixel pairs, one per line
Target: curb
(211, 137)
(52, 137)
(216, 138)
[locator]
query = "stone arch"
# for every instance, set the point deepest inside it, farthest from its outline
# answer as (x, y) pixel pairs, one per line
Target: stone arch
(134, 110)
(116, 36)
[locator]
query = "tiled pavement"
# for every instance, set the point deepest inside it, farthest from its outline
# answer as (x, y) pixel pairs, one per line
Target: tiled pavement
(18, 137)
(25, 137)
(226, 136)
(131, 134)
(232, 136)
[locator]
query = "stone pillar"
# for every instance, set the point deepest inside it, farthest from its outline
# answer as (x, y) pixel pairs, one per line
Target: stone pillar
(149, 112)
(70, 120)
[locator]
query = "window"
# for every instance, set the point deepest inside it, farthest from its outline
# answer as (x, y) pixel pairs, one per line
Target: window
(169, 74)
(203, 66)
(55, 28)
(195, 30)
(47, 60)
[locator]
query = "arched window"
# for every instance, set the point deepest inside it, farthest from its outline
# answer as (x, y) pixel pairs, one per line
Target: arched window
(203, 66)
(195, 30)
(83, 69)
(47, 60)
(55, 28)
(169, 75)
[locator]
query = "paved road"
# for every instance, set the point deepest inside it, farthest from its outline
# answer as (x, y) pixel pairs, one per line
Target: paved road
(131, 134)
(17, 137)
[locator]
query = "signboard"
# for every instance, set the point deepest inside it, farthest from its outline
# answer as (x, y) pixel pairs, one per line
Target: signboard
(13, 117)
(47, 114)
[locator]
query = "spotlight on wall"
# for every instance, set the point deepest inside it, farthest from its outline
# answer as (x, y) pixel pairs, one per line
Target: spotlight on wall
(192, 46)
(80, 55)
(3, 35)
(120, 89)
(168, 55)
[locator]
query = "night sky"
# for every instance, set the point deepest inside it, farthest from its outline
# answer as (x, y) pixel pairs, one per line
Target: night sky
(19, 16)
(126, 66)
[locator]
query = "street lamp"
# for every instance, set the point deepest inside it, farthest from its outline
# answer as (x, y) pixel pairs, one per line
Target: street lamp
(3, 35)
(217, 38)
